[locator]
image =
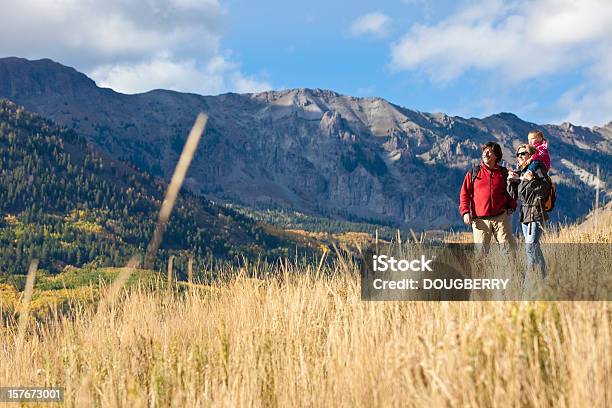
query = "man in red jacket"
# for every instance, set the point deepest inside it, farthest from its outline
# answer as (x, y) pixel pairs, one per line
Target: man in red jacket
(484, 202)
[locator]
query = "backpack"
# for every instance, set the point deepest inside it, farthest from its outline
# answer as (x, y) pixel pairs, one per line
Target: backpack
(549, 204)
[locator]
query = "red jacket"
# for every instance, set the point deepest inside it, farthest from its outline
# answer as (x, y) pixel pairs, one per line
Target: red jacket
(487, 196)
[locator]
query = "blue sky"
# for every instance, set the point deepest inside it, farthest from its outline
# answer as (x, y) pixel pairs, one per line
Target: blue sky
(548, 61)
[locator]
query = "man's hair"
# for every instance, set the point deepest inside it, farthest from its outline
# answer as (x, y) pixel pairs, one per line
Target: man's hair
(496, 150)
(536, 133)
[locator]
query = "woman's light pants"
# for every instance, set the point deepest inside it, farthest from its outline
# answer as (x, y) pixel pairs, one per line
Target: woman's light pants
(533, 232)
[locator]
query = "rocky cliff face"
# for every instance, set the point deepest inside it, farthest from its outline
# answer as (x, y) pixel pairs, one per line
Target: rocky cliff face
(308, 149)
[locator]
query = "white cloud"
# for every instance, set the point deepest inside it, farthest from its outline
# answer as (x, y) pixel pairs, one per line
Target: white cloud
(91, 32)
(183, 76)
(243, 84)
(517, 41)
(217, 76)
(590, 103)
(130, 46)
(376, 24)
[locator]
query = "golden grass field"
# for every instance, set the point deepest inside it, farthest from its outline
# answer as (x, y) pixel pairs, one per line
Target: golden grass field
(301, 336)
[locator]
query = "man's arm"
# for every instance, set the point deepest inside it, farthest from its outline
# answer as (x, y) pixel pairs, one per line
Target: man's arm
(465, 198)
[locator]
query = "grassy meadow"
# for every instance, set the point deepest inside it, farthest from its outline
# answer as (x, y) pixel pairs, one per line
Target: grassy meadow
(295, 334)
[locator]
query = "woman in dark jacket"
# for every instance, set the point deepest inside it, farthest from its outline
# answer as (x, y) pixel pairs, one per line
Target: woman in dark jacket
(532, 190)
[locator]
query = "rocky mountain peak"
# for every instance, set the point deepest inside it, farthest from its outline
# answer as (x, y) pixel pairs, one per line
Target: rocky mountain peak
(507, 116)
(331, 123)
(295, 94)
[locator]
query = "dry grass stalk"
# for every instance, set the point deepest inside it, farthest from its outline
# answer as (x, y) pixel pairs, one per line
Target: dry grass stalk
(168, 204)
(24, 314)
(175, 184)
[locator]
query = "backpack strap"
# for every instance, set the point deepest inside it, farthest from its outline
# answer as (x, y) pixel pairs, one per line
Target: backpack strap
(474, 172)
(476, 169)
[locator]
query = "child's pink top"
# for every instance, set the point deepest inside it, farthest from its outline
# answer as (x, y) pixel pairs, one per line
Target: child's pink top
(541, 153)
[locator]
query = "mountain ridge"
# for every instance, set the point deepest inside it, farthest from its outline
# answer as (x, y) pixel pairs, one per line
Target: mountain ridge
(312, 150)
(48, 62)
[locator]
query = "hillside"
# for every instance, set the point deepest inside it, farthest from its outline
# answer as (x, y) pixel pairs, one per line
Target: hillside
(67, 204)
(310, 150)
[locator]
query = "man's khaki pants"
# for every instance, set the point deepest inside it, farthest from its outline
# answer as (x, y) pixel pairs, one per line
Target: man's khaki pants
(485, 228)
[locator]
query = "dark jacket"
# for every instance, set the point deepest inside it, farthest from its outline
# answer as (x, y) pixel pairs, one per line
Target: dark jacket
(487, 195)
(532, 194)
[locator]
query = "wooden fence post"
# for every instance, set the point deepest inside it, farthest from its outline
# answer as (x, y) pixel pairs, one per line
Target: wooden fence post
(170, 263)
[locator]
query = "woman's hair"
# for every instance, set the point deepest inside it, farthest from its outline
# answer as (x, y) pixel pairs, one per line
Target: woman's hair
(496, 150)
(536, 133)
(530, 149)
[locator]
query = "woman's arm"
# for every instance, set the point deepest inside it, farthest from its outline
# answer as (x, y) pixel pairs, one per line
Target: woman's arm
(512, 187)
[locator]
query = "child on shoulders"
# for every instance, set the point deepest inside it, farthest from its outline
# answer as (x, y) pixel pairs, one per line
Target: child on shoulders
(541, 157)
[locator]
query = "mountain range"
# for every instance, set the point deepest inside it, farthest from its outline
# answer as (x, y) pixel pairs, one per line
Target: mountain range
(310, 150)
(67, 204)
